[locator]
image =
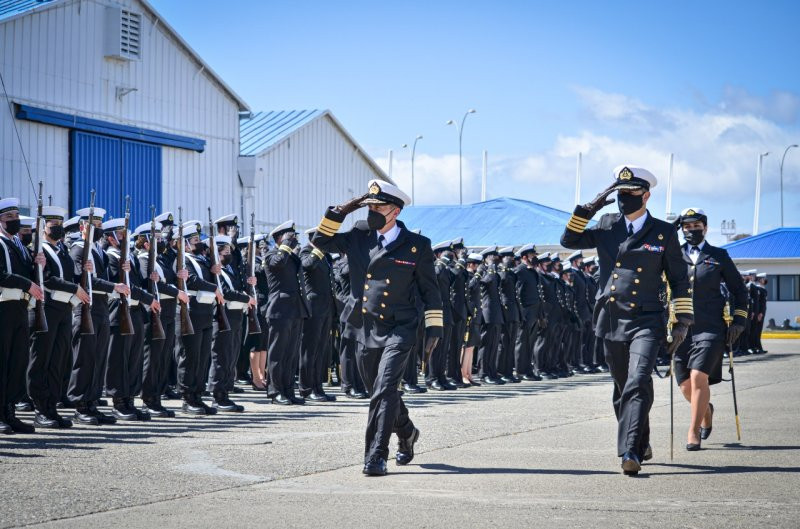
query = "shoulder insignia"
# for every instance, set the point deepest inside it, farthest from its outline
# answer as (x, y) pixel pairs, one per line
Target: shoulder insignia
(413, 249)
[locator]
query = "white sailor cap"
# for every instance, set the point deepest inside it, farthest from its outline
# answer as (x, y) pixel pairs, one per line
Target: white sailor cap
(54, 213)
(9, 204)
(545, 256)
(190, 231)
(457, 242)
(632, 177)
(113, 224)
(491, 250)
(196, 224)
(566, 268)
(144, 229)
(526, 248)
(71, 225)
(441, 246)
(99, 213)
(28, 222)
(474, 258)
(751, 272)
(166, 218)
(222, 240)
(761, 275)
(693, 215)
(260, 237)
(334, 256)
(591, 260)
(507, 251)
(227, 220)
(286, 226)
(381, 192)
(554, 257)
(243, 241)
(575, 255)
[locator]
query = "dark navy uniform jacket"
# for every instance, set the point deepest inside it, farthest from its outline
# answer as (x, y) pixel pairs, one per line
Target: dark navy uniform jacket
(136, 283)
(714, 266)
(101, 281)
(508, 294)
(444, 278)
(286, 299)
(630, 273)
(580, 284)
(21, 273)
(384, 282)
(459, 291)
(58, 275)
(529, 292)
(317, 274)
(491, 305)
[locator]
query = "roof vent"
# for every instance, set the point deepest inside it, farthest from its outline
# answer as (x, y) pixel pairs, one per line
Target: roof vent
(123, 34)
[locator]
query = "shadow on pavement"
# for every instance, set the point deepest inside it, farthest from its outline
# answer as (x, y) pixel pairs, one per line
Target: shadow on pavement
(438, 469)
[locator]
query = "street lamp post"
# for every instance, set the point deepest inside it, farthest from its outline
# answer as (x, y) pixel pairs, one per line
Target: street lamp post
(782, 159)
(757, 208)
(460, 135)
(413, 151)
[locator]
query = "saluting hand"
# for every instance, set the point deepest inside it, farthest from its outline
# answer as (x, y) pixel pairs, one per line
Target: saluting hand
(601, 200)
(351, 205)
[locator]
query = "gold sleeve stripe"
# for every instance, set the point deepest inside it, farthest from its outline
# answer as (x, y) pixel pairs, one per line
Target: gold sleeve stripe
(576, 229)
(325, 231)
(285, 248)
(329, 224)
(434, 312)
(439, 322)
(318, 253)
(742, 313)
(577, 224)
(579, 220)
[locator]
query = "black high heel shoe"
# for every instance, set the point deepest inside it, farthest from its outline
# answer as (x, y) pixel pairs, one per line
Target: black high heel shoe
(692, 447)
(705, 432)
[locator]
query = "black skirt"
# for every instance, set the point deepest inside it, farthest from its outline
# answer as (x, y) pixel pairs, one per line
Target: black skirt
(704, 356)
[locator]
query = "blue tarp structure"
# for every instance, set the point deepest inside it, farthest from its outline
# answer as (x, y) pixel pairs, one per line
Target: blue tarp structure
(780, 243)
(501, 221)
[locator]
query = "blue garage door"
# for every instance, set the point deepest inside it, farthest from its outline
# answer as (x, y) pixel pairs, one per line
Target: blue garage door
(115, 168)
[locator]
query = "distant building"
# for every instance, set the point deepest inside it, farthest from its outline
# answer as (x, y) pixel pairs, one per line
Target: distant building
(294, 164)
(777, 253)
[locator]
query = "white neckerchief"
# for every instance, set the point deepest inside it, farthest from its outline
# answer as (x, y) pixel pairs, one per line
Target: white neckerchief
(8, 258)
(195, 265)
(637, 224)
(227, 279)
(50, 249)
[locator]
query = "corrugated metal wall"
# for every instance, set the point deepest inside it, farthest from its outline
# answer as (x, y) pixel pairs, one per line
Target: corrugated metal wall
(141, 179)
(55, 59)
(95, 163)
(310, 170)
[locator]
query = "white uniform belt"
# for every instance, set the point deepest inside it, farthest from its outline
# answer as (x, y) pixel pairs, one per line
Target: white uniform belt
(236, 305)
(165, 296)
(203, 296)
(13, 294)
(63, 297)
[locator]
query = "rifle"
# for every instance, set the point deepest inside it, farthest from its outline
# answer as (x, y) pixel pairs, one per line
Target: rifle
(156, 329)
(253, 325)
(728, 320)
(187, 328)
(222, 318)
(87, 327)
(125, 322)
(40, 321)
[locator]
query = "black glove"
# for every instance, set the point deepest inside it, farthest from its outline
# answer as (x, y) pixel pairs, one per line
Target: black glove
(352, 205)
(543, 323)
(430, 344)
(289, 240)
(734, 331)
(679, 332)
(601, 200)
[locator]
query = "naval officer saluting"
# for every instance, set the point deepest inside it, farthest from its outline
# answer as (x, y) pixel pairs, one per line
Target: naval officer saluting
(634, 250)
(389, 266)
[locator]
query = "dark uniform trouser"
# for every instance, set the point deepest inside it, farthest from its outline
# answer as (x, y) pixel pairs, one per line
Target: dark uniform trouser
(158, 353)
(89, 353)
(587, 347)
(434, 370)
(124, 368)
(508, 342)
(523, 347)
(284, 348)
(490, 338)
(382, 369)
(315, 352)
(411, 370)
(631, 365)
(48, 356)
(224, 351)
(243, 358)
(351, 379)
(193, 355)
(454, 354)
(14, 345)
(237, 339)
(546, 342)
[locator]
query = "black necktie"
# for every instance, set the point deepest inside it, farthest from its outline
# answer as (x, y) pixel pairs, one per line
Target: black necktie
(630, 230)
(381, 240)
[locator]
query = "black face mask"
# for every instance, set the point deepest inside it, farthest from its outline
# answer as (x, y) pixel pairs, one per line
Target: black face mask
(198, 248)
(26, 239)
(375, 220)
(694, 237)
(56, 232)
(628, 203)
(225, 259)
(98, 234)
(12, 226)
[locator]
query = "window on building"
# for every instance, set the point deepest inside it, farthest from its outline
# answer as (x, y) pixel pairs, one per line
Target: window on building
(783, 288)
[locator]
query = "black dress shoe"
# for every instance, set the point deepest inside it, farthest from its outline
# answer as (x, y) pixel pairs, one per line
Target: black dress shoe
(693, 447)
(435, 385)
(314, 397)
(16, 425)
(101, 402)
(648, 454)
(102, 418)
(256, 388)
(24, 405)
(208, 409)
(329, 398)
(171, 394)
(121, 412)
(405, 448)
(84, 416)
(244, 381)
(531, 378)
(449, 386)
(357, 395)
(603, 368)
(281, 400)
(237, 390)
(412, 389)
(158, 411)
(474, 383)
(705, 432)
(375, 467)
(546, 375)
(492, 381)
(192, 408)
(228, 406)
(630, 464)
(142, 414)
(5, 429)
(41, 420)
(63, 422)
(299, 401)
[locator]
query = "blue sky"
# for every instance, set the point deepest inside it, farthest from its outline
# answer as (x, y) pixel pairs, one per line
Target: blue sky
(622, 82)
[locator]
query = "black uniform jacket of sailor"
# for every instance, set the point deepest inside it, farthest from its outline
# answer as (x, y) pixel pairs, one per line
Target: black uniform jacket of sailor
(459, 291)
(714, 266)
(287, 298)
(630, 273)
(317, 276)
(384, 282)
(491, 306)
(508, 294)
(529, 292)
(58, 275)
(21, 273)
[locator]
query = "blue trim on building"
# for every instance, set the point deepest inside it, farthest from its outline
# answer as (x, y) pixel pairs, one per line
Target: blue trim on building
(115, 130)
(780, 243)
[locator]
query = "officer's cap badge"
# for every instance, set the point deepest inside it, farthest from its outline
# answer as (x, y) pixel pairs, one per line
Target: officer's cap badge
(374, 189)
(413, 249)
(691, 213)
(625, 174)
(660, 236)
(169, 217)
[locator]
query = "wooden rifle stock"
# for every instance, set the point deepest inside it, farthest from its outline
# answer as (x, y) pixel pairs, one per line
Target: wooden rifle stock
(87, 327)
(39, 320)
(156, 328)
(125, 322)
(253, 325)
(223, 325)
(187, 329)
